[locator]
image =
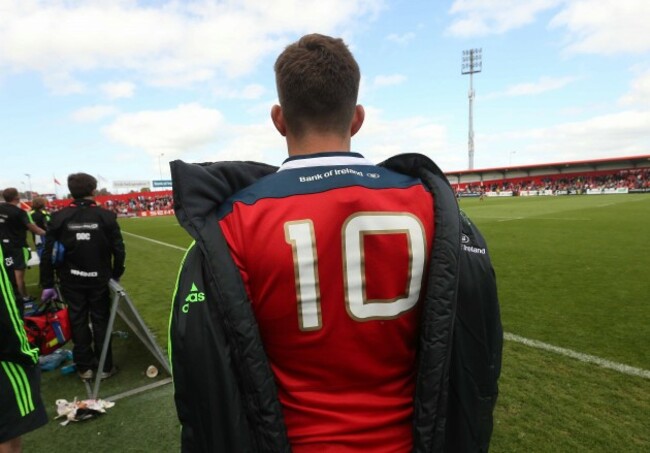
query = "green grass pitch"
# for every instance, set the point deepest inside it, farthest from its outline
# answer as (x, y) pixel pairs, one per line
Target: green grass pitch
(573, 272)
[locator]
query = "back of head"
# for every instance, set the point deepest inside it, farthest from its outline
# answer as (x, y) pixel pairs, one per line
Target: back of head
(81, 185)
(10, 194)
(38, 203)
(317, 80)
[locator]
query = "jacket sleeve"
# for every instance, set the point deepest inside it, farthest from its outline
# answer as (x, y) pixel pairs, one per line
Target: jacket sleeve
(13, 339)
(207, 397)
(476, 349)
(117, 248)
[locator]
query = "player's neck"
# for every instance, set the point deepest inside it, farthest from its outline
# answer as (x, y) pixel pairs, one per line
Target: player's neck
(316, 143)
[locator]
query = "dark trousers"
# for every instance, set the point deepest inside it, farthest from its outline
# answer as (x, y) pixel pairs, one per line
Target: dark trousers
(88, 304)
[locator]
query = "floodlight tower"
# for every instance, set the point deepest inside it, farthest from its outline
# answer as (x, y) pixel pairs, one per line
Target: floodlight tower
(29, 178)
(472, 64)
(160, 166)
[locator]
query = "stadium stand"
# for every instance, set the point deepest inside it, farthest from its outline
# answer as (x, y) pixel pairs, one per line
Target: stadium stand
(624, 175)
(143, 204)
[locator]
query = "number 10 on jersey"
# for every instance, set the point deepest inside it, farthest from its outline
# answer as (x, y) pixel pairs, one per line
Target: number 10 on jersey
(300, 235)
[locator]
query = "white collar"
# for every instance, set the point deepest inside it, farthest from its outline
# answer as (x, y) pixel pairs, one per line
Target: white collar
(323, 161)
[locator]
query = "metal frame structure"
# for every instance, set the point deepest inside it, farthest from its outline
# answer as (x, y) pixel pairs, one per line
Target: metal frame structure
(122, 305)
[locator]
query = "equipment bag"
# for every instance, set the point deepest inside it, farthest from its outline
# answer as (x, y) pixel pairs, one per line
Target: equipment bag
(50, 329)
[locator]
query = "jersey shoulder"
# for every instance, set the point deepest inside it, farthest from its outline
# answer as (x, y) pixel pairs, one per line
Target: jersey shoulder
(311, 180)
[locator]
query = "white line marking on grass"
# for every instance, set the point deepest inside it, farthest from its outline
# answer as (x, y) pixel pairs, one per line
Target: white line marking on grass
(560, 219)
(155, 241)
(620, 367)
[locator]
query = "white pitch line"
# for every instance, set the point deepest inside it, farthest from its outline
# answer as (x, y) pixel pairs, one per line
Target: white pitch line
(619, 367)
(559, 219)
(155, 241)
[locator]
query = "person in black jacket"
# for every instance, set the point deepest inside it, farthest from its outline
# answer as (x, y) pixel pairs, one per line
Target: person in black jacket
(14, 223)
(292, 322)
(21, 407)
(93, 252)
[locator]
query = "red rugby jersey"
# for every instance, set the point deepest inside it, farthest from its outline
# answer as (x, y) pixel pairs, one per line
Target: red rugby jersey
(333, 252)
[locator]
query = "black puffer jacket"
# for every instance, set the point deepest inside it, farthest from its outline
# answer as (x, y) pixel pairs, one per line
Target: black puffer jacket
(225, 392)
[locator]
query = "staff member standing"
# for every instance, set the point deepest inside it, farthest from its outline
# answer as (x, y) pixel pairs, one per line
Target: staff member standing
(41, 218)
(93, 254)
(21, 407)
(14, 223)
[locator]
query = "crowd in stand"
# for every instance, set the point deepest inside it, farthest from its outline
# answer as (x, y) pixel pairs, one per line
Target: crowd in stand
(125, 205)
(139, 203)
(629, 179)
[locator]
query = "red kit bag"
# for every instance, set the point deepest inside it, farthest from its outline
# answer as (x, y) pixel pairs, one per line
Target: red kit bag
(50, 328)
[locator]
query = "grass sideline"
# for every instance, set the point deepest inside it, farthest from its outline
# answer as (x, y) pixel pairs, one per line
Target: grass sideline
(572, 271)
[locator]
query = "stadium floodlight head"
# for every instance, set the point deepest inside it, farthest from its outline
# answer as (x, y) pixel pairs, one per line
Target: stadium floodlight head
(472, 63)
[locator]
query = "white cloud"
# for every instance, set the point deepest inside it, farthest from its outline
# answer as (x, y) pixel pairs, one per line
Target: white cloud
(256, 142)
(602, 27)
(176, 43)
(187, 127)
(401, 39)
(250, 92)
(387, 80)
(377, 139)
(606, 27)
(118, 90)
(62, 83)
(93, 113)
(543, 85)
(487, 17)
(610, 135)
(639, 93)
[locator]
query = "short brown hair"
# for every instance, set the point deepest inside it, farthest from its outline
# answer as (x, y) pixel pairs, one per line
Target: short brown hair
(81, 185)
(38, 203)
(317, 79)
(10, 194)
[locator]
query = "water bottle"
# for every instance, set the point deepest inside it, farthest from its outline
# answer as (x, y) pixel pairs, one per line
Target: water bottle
(52, 361)
(120, 334)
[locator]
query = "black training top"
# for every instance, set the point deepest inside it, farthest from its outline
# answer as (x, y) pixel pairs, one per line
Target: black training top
(13, 226)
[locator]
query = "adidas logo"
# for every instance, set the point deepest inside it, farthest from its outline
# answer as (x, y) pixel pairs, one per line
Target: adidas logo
(194, 296)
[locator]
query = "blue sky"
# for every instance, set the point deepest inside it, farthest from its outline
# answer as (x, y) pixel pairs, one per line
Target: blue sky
(119, 88)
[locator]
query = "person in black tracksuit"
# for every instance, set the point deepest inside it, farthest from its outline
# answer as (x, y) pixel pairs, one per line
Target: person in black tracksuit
(21, 406)
(14, 223)
(93, 253)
